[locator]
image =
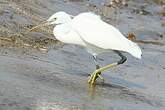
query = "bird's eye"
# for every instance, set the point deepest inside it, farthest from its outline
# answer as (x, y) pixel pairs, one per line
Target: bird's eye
(55, 18)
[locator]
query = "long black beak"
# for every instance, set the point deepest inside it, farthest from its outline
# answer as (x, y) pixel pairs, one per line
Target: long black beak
(45, 23)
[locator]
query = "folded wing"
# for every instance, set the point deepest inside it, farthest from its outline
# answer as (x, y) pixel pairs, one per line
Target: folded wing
(96, 32)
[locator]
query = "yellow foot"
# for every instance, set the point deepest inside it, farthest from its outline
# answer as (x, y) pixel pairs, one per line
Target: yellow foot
(94, 76)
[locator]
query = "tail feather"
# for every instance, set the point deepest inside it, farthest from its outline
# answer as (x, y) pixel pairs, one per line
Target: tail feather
(134, 50)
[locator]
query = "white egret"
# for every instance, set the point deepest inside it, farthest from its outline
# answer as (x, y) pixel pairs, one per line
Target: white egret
(88, 30)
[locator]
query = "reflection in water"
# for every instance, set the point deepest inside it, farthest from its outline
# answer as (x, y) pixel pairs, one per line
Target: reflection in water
(117, 92)
(100, 88)
(91, 91)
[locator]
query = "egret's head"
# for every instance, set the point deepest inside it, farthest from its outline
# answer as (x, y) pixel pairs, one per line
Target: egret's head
(59, 18)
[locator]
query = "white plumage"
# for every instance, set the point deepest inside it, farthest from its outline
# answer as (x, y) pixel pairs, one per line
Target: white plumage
(89, 31)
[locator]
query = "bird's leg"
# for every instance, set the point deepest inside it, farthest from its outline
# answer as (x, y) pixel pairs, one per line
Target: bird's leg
(97, 67)
(97, 72)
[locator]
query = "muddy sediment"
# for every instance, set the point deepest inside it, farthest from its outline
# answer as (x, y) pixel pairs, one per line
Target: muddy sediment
(37, 72)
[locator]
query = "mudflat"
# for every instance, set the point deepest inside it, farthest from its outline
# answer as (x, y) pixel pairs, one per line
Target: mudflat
(37, 72)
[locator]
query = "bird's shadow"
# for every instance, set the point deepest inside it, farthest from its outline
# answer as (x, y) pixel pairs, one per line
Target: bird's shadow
(119, 92)
(116, 87)
(116, 82)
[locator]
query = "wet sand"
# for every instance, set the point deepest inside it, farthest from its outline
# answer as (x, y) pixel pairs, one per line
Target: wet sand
(39, 73)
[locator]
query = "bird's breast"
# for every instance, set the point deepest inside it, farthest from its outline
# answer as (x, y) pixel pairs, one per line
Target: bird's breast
(67, 35)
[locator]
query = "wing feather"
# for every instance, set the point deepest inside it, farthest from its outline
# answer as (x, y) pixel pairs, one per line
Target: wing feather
(97, 32)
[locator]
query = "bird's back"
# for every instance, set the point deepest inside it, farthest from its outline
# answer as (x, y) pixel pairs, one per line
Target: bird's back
(94, 31)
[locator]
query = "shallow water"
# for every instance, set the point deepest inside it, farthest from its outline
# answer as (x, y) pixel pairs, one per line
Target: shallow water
(37, 73)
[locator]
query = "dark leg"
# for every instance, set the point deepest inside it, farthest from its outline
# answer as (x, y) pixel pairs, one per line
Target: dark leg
(123, 58)
(97, 72)
(97, 64)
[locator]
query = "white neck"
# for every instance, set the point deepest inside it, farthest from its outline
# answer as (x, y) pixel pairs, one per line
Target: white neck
(61, 29)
